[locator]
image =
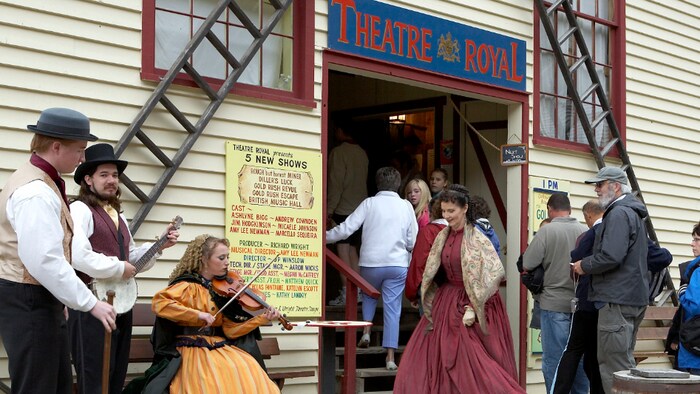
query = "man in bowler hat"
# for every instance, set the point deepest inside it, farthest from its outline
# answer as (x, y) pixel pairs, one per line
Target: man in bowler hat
(36, 277)
(102, 249)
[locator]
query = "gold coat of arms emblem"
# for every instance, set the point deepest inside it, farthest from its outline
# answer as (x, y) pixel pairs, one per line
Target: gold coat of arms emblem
(448, 48)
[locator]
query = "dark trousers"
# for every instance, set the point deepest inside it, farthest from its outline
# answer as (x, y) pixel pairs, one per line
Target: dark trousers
(87, 347)
(582, 343)
(34, 332)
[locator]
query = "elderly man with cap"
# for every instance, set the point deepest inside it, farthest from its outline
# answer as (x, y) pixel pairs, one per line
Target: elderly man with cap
(36, 277)
(102, 249)
(619, 286)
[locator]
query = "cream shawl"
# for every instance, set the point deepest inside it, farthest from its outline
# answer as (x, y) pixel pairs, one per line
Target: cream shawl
(482, 272)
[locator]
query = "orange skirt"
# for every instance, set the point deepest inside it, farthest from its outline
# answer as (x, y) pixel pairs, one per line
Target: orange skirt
(226, 369)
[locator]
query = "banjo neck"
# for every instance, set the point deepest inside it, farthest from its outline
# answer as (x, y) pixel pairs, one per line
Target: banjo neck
(157, 246)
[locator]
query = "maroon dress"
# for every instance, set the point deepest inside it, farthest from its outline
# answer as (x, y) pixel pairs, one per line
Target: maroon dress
(453, 358)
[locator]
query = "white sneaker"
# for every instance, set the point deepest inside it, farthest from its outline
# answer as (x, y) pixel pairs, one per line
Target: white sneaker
(339, 300)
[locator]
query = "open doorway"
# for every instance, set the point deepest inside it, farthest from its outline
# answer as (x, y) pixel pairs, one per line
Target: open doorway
(396, 118)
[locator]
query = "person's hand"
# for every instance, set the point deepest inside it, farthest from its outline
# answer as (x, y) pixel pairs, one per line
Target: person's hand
(172, 238)
(207, 318)
(65, 312)
(674, 345)
(129, 271)
(105, 313)
(272, 314)
(577, 268)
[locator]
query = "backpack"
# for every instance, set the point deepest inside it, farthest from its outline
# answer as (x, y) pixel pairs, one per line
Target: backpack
(689, 333)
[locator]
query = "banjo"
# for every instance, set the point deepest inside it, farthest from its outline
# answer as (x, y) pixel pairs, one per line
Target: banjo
(126, 291)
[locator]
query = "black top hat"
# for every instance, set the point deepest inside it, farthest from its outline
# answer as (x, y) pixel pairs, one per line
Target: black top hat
(63, 123)
(94, 156)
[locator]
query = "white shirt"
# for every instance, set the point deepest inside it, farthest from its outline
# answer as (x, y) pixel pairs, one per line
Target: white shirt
(389, 230)
(34, 212)
(96, 264)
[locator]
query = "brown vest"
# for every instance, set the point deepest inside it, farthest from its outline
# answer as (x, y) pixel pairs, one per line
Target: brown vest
(11, 267)
(104, 238)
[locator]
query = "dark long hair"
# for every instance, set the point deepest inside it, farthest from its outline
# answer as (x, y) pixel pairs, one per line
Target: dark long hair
(459, 195)
(91, 199)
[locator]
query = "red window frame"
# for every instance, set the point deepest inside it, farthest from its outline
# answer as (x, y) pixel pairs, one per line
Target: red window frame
(618, 83)
(302, 62)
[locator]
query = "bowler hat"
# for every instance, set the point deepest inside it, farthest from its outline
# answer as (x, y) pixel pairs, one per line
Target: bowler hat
(609, 174)
(94, 156)
(63, 123)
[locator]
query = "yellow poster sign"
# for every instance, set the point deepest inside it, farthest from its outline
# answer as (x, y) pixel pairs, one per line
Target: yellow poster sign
(272, 196)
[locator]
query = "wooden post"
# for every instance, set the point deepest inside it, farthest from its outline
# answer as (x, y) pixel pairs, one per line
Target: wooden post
(106, 353)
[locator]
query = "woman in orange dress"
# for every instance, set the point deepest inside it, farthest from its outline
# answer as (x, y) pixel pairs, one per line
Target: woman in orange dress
(209, 362)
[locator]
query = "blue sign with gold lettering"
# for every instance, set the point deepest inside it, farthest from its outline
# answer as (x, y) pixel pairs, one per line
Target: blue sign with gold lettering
(376, 30)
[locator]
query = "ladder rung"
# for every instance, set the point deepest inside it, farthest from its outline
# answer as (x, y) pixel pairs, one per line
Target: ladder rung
(608, 147)
(276, 4)
(200, 81)
(133, 187)
(603, 115)
(588, 91)
(177, 114)
(241, 15)
(568, 34)
(554, 6)
(157, 152)
(230, 59)
(578, 64)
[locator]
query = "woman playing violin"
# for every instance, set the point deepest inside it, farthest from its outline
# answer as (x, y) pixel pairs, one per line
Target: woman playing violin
(209, 361)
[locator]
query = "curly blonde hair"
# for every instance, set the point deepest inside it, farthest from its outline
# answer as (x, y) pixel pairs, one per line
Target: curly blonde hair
(198, 251)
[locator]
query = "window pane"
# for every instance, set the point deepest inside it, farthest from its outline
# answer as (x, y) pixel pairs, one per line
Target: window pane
(547, 67)
(252, 10)
(174, 5)
(601, 54)
(588, 7)
(173, 34)
(285, 76)
(547, 114)
(203, 8)
(239, 41)
(206, 59)
(605, 9)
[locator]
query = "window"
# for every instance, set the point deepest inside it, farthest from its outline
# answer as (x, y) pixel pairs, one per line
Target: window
(281, 70)
(601, 22)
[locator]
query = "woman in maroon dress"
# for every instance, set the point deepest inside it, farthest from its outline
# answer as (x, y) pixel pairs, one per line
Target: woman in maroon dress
(463, 342)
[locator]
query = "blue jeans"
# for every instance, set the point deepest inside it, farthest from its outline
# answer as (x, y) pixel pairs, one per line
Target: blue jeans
(390, 281)
(555, 335)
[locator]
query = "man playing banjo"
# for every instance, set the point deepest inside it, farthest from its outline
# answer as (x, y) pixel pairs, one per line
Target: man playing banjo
(103, 249)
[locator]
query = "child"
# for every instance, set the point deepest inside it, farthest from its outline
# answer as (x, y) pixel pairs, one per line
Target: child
(438, 181)
(418, 194)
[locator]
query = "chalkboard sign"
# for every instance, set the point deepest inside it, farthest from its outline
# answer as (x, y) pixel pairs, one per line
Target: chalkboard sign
(512, 155)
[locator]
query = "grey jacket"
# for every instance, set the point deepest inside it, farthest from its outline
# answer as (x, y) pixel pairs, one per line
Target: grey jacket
(618, 265)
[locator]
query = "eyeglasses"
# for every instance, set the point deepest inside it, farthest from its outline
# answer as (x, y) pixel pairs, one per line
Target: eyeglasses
(600, 184)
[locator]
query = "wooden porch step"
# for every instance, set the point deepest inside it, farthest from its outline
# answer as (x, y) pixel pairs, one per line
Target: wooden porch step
(339, 351)
(369, 372)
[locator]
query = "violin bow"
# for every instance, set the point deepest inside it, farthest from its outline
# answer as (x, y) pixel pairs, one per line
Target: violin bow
(243, 289)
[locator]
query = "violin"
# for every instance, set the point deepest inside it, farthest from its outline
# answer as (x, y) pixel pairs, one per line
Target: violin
(251, 298)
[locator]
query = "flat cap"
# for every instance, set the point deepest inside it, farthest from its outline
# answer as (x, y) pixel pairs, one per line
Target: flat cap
(609, 174)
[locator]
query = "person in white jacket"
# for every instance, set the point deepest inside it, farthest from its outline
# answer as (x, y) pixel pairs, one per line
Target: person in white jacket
(389, 230)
